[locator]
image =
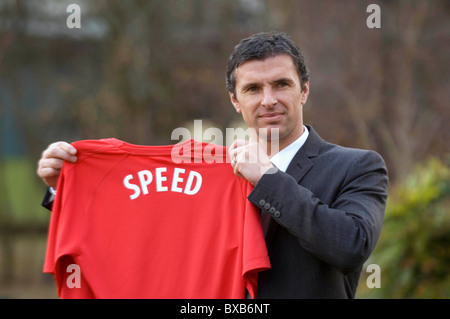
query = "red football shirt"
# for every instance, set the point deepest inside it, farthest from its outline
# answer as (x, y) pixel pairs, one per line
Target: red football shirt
(153, 222)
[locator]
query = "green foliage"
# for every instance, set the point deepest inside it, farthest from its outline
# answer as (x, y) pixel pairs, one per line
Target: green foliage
(21, 193)
(414, 248)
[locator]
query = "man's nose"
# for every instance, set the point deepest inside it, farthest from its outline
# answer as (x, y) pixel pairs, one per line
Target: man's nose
(269, 98)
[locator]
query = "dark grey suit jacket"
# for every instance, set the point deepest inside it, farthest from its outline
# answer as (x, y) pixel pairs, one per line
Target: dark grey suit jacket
(326, 216)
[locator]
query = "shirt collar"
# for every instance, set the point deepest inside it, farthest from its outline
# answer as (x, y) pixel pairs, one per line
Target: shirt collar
(284, 157)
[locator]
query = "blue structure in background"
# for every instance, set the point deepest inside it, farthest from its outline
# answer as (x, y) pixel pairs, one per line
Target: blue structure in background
(11, 141)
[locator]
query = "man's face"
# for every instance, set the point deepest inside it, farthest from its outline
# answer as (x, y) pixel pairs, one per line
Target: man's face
(269, 95)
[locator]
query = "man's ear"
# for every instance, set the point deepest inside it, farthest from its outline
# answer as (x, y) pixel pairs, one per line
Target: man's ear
(235, 102)
(305, 93)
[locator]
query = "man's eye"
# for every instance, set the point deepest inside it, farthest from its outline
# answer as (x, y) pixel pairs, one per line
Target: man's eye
(282, 84)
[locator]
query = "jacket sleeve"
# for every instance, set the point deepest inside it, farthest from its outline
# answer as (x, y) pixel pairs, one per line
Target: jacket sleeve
(48, 199)
(343, 232)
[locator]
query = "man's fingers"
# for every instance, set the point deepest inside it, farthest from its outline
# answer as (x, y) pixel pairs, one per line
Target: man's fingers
(51, 163)
(236, 168)
(244, 152)
(62, 151)
(49, 167)
(52, 159)
(64, 146)
(253, 135)
(238, 143)
(47, 172)
(235, 148)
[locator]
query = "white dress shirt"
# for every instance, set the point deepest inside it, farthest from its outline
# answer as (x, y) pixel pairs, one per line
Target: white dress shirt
(284, 157)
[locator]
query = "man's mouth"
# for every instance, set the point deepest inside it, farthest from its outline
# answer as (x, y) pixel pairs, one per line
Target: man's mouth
(273, 116)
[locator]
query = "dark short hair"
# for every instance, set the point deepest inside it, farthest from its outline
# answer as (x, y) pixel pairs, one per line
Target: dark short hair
(261, 46)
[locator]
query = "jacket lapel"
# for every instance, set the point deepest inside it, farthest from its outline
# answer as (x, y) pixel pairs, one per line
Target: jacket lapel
(301, 162)
(299, 166)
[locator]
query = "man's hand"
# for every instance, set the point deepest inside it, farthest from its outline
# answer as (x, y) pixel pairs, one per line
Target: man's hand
(50, 164)
(249, 160)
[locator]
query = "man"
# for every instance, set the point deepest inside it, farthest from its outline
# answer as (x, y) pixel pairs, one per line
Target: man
(322, 205)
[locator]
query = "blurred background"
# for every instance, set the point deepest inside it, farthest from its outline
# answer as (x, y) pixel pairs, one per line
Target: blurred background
(138, 69)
